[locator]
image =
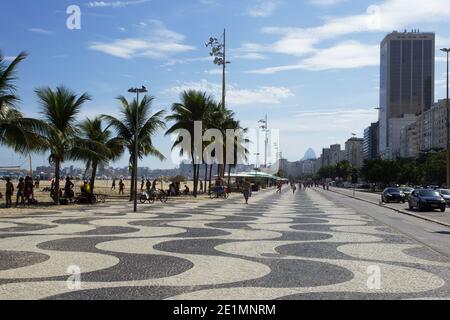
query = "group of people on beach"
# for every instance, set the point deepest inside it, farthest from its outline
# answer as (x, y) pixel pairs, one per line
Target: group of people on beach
(24, 192)
(121, 186)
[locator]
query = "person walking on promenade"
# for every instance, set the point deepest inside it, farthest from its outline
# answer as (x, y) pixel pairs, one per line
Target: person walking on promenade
(9, 192)
(29, 190)
(142, 184)
(294, 188)
(247, 190)
(20, 192)
(279, 187)
(113, 187)
(68, 190)
(121, 187)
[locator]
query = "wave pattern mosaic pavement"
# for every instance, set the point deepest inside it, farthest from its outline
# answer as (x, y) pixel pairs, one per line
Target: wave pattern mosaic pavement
(279, 247)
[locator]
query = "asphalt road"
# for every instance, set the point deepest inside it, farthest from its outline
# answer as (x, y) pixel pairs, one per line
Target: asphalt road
(432, 215)
(430, 234)
(311, 245)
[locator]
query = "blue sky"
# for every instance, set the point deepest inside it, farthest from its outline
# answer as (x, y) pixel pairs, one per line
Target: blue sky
(312, 65)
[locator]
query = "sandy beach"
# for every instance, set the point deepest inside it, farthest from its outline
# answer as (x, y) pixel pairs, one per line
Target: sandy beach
(45, 204)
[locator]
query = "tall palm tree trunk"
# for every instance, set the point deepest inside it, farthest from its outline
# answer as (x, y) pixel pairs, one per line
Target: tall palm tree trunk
(93, 175)
(132, 182)
(57, 178)
(206, 177)
(210, 177)
(198, 177)
(195, 180)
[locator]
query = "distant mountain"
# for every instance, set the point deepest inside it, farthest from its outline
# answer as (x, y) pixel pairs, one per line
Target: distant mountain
(309, 155)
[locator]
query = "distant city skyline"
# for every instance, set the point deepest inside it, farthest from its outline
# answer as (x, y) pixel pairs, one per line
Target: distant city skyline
(312, 66)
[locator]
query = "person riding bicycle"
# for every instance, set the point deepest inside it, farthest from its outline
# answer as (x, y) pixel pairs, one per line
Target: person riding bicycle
(148, 186)
(186, 190)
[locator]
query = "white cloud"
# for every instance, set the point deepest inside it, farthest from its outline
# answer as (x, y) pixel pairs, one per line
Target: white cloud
(248, 56)
(304, 42)
(41, 31)
(235, 95)
(345, 55)
(173, 62)
(342, 121)
(322, 127)
(249, 51)
(214, 71)
(159, 43)
(114, 4)
(326, 2)
(263, 8)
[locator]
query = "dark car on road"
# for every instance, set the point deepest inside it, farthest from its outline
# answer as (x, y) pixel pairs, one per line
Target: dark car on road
(393, 195)
(426, 199)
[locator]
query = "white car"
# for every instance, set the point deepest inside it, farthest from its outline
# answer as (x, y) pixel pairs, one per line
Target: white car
(445, 193)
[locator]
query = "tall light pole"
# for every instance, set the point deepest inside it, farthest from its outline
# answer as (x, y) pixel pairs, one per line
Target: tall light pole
(257, 160)
(136, 143)
(265, 127)
(276, 147)
(219, 52)
(447, 121)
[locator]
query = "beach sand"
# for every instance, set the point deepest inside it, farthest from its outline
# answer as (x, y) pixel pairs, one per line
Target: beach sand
(101, 187)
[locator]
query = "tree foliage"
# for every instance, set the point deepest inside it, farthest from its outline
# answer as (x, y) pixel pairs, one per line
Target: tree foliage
(429, 169)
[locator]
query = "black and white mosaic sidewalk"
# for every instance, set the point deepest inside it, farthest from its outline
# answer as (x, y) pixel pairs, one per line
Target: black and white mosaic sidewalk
(279, 247)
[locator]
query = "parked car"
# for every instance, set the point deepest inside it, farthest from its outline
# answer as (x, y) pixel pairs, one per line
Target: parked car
(425, 199)
(393, 195)
(407, 191)
(445, 193)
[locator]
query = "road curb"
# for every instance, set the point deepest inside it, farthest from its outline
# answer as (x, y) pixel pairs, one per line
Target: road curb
(394, 209)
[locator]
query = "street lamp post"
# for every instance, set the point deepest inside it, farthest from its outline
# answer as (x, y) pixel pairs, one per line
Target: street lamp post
(136, 143)
(257, 160)
(218, 51)
(447, 121)
(265, 127)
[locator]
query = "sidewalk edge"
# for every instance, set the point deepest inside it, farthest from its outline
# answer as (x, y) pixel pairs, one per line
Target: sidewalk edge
(393, 209)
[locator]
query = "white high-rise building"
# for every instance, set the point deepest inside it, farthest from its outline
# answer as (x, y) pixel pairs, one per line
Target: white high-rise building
(354, 152)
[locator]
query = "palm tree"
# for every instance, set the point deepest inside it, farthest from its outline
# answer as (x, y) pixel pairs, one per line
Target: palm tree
(60, 108)
(17, 132)
(8, 97)
(93, 130)
(222, 119)
(194, 106)
(239, 143)
(125, 126)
